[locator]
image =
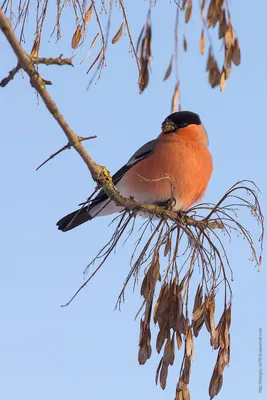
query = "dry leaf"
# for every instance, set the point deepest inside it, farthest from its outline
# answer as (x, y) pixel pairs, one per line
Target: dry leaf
(88, 14)
(168, 356)
(202, 42)
(188, 11)
(118, 35)
(76, 38)
(169, 70)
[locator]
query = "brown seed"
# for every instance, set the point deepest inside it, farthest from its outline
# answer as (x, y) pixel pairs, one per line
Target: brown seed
(162, 335)
(197, 325)
(158, 369)
(175, 97)
(229, 36)
(203, 9)
(91, 47)
(144, 76)
(212, 15)
(77, 36)
(222, 27)
(158, 307)
(202, 42)
(179, 340)
(215, 383)
(188, 11)
(167, 247)
(168, 356)
(222, 80)
(118, 35)
(151, 278)
(189, 344)
(88, 14)
(36, 46)
(185, 43)
(95, 60)
(169, 69)
(186, 370)
(198, 297)
(198, 312)
(163, 375)
(139, 39)
(236, 55)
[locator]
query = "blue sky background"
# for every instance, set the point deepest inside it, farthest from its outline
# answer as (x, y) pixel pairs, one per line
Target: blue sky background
(87, 350)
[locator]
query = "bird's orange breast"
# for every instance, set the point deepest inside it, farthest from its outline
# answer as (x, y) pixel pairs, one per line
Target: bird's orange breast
(180, 167)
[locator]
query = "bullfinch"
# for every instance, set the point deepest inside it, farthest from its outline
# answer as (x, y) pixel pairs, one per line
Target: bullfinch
(176, 167)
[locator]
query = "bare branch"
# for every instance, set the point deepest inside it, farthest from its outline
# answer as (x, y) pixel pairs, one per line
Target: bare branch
(66, 147)
(10, 76)
(52, 61)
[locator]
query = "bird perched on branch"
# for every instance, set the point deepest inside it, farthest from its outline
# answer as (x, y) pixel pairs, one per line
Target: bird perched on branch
(175, 167)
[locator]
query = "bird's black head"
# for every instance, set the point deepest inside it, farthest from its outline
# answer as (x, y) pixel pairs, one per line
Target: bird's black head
(179, 120)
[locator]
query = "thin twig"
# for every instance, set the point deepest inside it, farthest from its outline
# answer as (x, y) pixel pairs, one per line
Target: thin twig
(66, 147)
(130, 36)
(10, 76)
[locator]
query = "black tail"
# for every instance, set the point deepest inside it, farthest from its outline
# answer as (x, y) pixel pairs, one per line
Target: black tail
(74, 219)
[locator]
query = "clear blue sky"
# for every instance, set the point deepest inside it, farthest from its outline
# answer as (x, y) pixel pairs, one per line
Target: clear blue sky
(87, 350)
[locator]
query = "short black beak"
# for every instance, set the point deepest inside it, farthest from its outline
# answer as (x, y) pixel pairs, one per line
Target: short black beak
(168, 126)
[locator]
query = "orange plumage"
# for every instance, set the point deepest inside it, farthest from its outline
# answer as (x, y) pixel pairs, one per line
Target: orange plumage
(180, 168)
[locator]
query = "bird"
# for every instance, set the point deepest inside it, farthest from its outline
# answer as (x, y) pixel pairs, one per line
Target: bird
(175, 168)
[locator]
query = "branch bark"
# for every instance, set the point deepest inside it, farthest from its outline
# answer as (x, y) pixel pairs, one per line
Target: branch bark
(99, 174)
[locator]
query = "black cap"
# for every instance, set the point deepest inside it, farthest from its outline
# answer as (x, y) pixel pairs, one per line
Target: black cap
(180, 120)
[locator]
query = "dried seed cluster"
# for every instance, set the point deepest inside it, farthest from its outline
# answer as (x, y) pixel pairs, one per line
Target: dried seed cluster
(213, 13)
(172, 254)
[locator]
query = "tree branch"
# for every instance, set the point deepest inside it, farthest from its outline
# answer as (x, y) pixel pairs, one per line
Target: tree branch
(37, 60)
(52, 61)
(10, 76)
